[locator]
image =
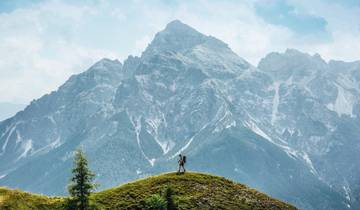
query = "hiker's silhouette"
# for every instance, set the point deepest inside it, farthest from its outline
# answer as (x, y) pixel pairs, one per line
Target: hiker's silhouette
(182, 161)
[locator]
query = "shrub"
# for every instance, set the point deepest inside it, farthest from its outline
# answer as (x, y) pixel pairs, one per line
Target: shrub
(168, 195)
(156, 202)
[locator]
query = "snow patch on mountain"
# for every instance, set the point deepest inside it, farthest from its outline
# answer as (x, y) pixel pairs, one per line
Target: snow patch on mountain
(189, 142)
(183, 148)
(344, 102)
(347, 82)
(151, 161)
(166, 146)
(292, 153)
(137, 125)
(347, 192)
(51, 118)
(305, 156)
(226, 120)
(154, 124)
(276, 100)
(55, 143)
(18, 137)
(26, 147)
(252, 126)
(3, 176)
(8, 138)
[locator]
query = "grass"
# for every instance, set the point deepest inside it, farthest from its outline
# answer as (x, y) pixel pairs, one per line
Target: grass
(191, 191)
(16, 199)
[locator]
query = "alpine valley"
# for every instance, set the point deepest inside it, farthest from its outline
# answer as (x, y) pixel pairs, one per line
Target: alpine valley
(288, 127)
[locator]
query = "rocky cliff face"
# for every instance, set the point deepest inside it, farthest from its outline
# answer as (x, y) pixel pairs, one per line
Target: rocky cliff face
(317, 113)
(287, 127)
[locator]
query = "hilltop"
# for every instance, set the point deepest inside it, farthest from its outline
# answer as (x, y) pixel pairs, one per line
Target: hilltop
(191, 191)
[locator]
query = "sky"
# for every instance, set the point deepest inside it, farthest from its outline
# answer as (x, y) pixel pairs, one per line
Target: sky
(44, 42)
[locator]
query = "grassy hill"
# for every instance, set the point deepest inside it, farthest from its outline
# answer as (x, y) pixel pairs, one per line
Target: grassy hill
(191, 191)
(18, 200)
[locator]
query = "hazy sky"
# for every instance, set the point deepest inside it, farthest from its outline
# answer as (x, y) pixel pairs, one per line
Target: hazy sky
(43, 42)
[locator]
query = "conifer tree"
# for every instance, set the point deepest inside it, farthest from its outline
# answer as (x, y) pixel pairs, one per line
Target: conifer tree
(81, 184)
(168, 195)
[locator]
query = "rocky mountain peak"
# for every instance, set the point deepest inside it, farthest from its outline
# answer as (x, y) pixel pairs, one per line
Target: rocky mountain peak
(178, 37)
(105, 63)
(292, 63)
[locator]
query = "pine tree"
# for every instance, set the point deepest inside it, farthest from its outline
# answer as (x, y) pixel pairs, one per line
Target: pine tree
(168, 195)
(81, 183)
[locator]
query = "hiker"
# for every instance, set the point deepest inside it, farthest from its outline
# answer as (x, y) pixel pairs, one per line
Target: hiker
(182, 161)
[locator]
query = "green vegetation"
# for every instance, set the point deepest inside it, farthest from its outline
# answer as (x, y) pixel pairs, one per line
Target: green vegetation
(81, 184)
(156, 202)
(168, 194)
(188, 191)
(16, 200)
(191, 191)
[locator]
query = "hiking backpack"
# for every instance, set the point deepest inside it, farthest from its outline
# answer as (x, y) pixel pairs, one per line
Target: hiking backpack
(184, 159)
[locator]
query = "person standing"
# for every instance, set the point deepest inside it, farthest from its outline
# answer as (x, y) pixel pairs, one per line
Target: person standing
(182, 161)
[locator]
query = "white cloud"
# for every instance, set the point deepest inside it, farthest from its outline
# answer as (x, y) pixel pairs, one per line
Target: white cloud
(42, 45)
(35, 62)
(343, 22)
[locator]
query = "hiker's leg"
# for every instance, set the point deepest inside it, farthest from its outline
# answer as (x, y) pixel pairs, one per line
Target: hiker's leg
(179, 168)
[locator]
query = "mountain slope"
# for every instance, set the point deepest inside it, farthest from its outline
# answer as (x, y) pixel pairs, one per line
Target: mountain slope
(317, 113)
(191, 191)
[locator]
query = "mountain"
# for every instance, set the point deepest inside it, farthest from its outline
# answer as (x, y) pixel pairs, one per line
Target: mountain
(190, 191)
(9, 109)
(317, 112)
(287, 127)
